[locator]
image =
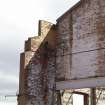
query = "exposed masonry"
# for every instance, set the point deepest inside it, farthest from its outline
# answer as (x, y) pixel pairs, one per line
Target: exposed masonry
(71, 49)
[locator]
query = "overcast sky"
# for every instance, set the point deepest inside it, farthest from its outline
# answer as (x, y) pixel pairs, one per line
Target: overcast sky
(18, 21)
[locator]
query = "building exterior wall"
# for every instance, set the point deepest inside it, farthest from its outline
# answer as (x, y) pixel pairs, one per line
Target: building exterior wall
(37, 67)
(83, 29)
(73, 49)
(63, 49)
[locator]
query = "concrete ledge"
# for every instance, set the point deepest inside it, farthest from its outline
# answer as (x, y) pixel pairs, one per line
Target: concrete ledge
(81, 83)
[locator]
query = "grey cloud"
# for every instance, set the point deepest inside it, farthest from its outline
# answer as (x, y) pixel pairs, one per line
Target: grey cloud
(8, 87)
(10, 47)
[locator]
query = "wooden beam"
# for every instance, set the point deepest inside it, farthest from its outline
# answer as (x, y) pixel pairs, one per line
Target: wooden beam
(81, 83)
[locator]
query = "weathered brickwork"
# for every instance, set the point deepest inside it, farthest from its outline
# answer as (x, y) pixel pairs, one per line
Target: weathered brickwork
(70, 50)
(64, 29)
(83, 28)
(37, 74)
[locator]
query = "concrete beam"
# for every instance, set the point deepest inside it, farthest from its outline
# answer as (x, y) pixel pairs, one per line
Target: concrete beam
(81, 83)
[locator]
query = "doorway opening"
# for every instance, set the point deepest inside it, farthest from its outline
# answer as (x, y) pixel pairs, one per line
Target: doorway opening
(80, 98)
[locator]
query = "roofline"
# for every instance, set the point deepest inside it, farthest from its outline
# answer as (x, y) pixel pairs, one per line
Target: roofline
(70, 10)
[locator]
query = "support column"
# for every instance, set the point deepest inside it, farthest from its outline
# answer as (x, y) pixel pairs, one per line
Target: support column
(59, 101)
(93, 96)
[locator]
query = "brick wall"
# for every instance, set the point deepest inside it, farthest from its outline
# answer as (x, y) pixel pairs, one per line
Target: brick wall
(71, 49)
(37, 73)
(83, 27)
